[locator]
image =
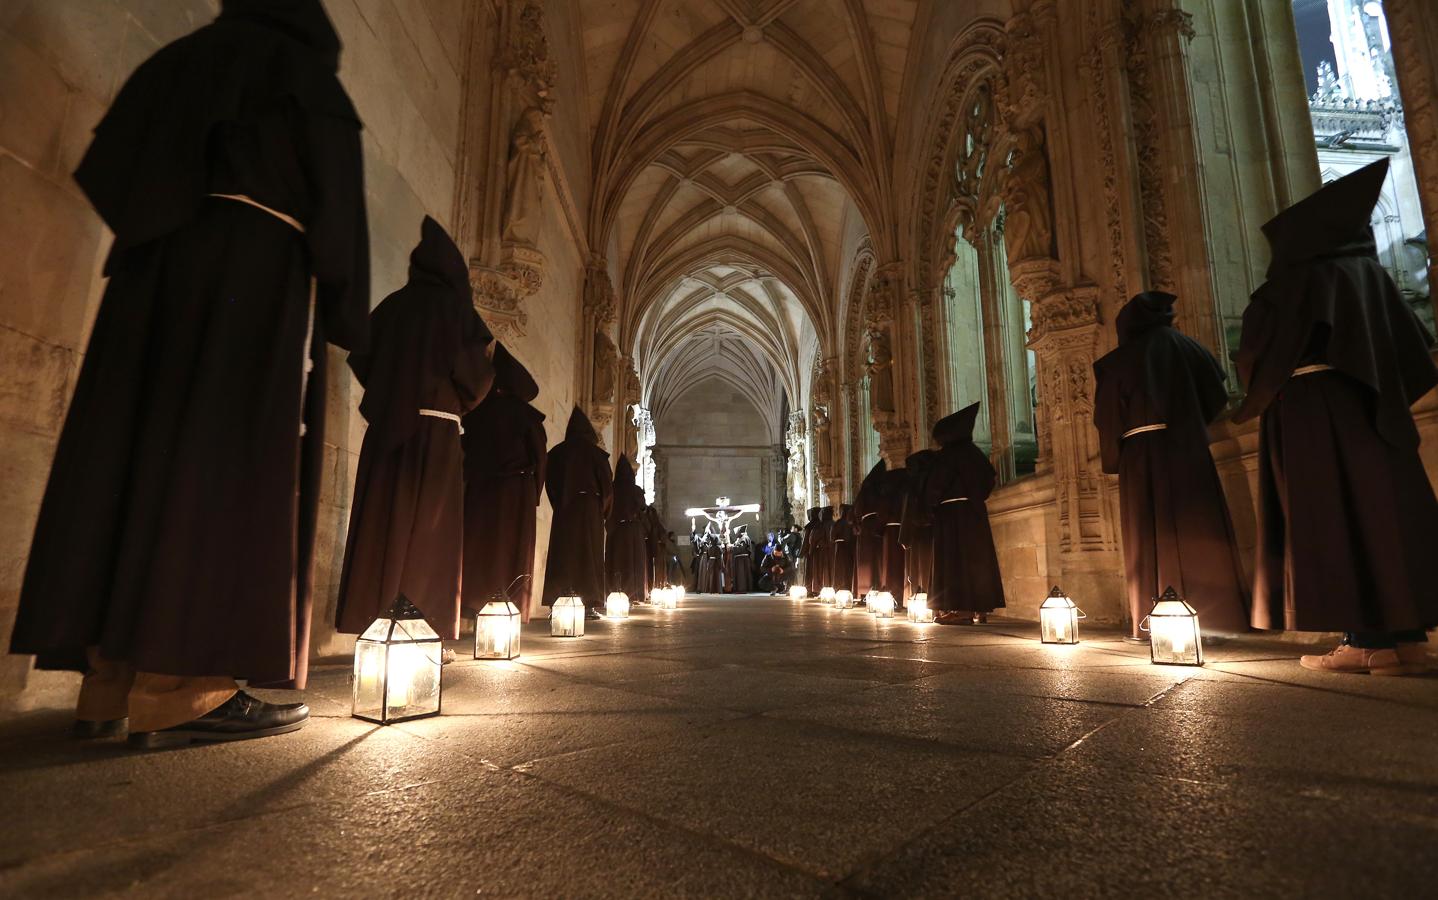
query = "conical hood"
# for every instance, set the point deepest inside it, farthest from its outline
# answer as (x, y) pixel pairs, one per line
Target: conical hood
(1339, 214)
(1145, 312)
(623, 471)
(580, 428)
(957, 428)
(814, 513)
(436, 257)
(512, 377)
(303, 20)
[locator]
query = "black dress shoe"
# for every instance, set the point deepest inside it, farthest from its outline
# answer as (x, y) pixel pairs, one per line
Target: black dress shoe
(84, 730)
(237, 719)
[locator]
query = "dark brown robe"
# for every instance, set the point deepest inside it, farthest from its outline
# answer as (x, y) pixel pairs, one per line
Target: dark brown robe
(869, 547)
(824, 550)
(807, 556)
(656, 566)
(1346, 513)
(1176, 527)
(428, 352)
(889, 574)
(711, 564)
(842, 534)
(504, 462)
(581, 491)
(916, 532)
(966, 566)
(177, 530)
(625, 559)
(741, 567)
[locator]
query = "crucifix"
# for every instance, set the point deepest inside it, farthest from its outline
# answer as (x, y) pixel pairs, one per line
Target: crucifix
(721, 514)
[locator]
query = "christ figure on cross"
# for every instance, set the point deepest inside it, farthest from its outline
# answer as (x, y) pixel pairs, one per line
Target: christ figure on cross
(723, 514)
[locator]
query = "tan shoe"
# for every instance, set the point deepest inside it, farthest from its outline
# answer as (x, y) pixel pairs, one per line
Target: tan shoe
(1356, 661)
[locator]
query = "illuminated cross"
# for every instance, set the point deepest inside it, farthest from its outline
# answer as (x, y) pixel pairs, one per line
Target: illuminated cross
(722, 514)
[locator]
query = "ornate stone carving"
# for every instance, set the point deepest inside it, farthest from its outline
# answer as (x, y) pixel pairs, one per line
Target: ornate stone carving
(1028, 224)
(1104, 47)
(1023, 91)
(879, 366)
(499, 293)
(526, 178)
(599, 301)
(606, 368)
(796, 443)
(526, 54)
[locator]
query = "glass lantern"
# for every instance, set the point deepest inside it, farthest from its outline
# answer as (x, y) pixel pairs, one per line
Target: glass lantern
(798, 592)
(616, 605)
(918, 609)
(1173, 635)
(397, 668)
(843, 599)
(668, 598)
(826, 595)
(496, 630)
(1058, 618)
(678, 591)
(882, 605)
(567, 617)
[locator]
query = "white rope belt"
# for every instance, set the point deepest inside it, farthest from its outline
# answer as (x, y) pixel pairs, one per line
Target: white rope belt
(893, 524)
(867, 516)
(441, 414)
(952, 500)
(1309, 370)
(1143, 429)
(251, 201)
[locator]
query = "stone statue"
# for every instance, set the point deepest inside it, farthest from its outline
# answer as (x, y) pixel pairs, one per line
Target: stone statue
(880, 368)
(1028, 222)
(820, 437)
(606, 361)
(526, 180)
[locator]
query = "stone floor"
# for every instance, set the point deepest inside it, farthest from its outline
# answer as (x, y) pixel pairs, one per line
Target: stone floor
(747, 747)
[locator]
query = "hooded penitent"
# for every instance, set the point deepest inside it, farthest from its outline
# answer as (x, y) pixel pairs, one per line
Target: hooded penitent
(427, 366)
(965, 567)
(842, 538)
(177, 529)
(741, 563)
(1156, 393)
(889, 575)
(625, 558)
(1333, 358)
(824, 548)
(869, 519)
(916, 532)
(581, 491)
(807, 545)
(504, 461)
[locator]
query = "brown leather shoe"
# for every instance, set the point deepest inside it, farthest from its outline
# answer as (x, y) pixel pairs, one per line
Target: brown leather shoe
(1355, 661)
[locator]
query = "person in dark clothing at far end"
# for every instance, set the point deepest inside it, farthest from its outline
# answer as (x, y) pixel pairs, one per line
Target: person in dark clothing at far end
(174, 548)
(1333, 359)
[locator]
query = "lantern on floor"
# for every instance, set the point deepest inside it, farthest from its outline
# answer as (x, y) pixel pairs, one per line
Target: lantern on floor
(566, 619)
(1173, 635)
(678, 590)
(826, 594)
(798, 592)
(843, 599)
(397, 668)
(668, 598)
(616, 605)
(919, 611)
(496, 630)
(882, 605)
(1058, 618)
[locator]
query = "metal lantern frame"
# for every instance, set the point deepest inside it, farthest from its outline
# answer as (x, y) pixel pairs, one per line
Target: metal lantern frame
(826, 594)
(667, 597)
(569, 603)
(402, 628)
(490, 618)
(844, 599)
(1059, 607)
(1170, 615)
(798, 592)
(616, 605)
(918, 609)
(883, 605)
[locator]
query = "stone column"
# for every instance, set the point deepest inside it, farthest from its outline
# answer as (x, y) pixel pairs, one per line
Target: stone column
(821, 406)
(891, 394)
(1413, 26)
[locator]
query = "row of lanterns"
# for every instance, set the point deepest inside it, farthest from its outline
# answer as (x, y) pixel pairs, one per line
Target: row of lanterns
(398, 660)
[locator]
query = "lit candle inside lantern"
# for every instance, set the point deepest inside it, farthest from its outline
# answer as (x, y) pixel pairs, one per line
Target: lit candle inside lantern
(616, 605)
(397, 668)
(678, 590)
(882, 605)
(496, 631)
(1058, 618)
(666, 598)
(566, 619)
(826, 594)
(798, 592)
(919, 611)
(843, 599)
(1174, 637)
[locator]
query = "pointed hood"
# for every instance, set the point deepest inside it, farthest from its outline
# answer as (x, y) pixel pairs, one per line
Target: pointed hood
(957, 428)
(814, 513)
(512, 377)
(1337, 215)
(1145, 312)
(580, 428)
(623, 471)
(304, 20)
(436, 258)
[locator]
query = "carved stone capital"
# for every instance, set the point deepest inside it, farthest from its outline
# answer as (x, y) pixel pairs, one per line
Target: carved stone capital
(599, 299)
(895, 443)
(1068, 316)
(499, 292)
(1035, 278)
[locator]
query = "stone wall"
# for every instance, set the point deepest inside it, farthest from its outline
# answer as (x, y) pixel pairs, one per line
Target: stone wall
(61, 62)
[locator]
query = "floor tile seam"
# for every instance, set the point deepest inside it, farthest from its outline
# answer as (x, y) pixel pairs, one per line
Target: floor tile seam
(669, 825)
(908, 741)
(1268, 781)
(1262, 681)
(706, 727)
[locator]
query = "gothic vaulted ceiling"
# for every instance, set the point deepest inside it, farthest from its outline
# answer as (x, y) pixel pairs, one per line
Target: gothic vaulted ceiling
(732, 141)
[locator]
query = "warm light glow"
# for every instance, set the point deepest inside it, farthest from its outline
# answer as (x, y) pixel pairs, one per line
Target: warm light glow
(798, 592)
(616, 605)
(666, 597)
(919, 611)
(678, 590)
(843, 599)
(1174, 637)
(826, 594)
(567, 617)
(496, 631)
(882, 605)
(1058, 619)
(397, 668)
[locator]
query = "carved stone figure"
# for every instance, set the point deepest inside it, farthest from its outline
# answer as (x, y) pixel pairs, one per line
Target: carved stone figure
(606, 361)
(526, 180)
(880, 368)
(822, 452)
(1028, 224)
